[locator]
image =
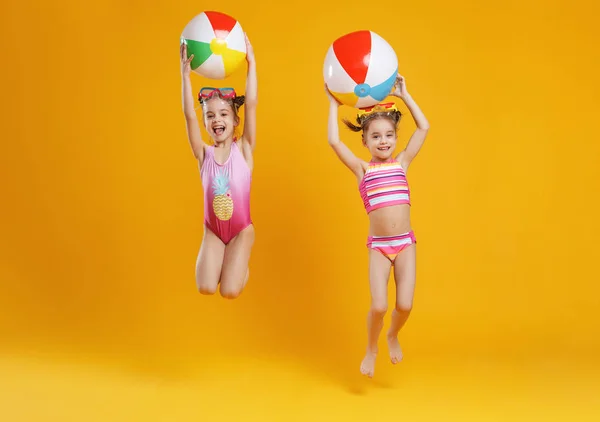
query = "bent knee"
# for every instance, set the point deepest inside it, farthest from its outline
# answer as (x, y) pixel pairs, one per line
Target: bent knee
(206, 288)
(379, 309)
(232, 286)
(404, 307)
(230, 293)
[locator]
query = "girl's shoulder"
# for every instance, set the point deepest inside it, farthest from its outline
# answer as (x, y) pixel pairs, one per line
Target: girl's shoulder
(362, 170)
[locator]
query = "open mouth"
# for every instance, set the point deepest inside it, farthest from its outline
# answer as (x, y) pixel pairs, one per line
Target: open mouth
(218, 130)
(383, 148)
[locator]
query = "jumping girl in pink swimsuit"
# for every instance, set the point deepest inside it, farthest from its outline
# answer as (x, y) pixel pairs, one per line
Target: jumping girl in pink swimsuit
(226, 173)
(385, 193)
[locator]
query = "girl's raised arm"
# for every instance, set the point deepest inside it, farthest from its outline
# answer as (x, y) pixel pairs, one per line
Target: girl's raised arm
(191, 120)
(251, 99)
(344, 153)
(417, 139)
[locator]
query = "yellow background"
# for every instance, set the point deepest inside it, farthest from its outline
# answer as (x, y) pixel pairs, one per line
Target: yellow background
(101, 219)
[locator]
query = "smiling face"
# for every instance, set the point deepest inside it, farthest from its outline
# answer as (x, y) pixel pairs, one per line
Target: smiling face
(380, 138)
(220, 120)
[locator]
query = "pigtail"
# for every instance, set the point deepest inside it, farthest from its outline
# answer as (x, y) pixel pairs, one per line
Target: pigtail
(364, 120)
(352, 126)
(396, 116)
(239, 101)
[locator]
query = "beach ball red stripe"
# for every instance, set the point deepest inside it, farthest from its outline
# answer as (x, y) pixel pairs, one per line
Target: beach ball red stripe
(348, 48)
(222, 24)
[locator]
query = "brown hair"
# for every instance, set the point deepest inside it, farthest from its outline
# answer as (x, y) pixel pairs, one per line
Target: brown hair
(363, 121)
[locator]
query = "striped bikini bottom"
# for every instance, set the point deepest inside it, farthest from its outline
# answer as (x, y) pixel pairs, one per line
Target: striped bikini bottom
(391, 246)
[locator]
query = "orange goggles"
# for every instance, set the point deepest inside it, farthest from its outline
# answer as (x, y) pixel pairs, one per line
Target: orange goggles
(377, 107)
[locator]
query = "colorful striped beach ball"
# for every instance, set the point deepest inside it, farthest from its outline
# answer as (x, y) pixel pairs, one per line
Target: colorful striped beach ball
(360, 69)
(217, 42)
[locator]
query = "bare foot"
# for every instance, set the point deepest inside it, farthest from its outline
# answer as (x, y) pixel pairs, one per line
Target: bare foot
(367, 366)
(394, 348)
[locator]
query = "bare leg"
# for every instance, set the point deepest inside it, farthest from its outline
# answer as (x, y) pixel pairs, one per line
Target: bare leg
(209, 262)
(379, 273)
(405, 275)
(235, 273)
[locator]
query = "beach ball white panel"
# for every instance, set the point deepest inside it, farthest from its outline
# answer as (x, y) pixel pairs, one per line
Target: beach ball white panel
(199, 29)
(384, 62)
(335, 75)
(236, 39)
(213, 67)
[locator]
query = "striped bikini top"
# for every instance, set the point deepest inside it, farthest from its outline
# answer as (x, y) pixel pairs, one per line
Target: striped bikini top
(384, 185)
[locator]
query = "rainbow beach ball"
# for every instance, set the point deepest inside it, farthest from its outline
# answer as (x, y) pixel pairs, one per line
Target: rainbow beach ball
(360, 69)
(217, 42)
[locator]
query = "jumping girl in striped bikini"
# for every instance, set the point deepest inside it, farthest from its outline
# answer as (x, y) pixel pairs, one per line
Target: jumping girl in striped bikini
(385, 193)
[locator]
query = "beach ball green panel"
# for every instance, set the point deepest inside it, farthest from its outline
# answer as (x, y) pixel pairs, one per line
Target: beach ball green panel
(217, 42)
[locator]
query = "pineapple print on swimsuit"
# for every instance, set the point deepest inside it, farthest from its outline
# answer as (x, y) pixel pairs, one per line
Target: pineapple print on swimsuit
(226, 193)
(222, 202)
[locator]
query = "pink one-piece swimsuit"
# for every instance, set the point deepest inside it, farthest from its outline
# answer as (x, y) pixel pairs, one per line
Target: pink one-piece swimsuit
(226, 193)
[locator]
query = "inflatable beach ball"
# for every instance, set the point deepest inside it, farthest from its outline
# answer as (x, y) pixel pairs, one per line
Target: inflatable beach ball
(360, 69)
(217, 42)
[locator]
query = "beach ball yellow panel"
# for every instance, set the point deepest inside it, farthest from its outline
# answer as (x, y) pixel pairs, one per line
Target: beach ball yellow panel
(217, 42)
